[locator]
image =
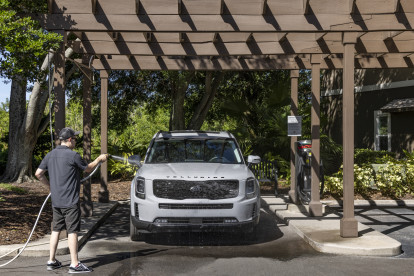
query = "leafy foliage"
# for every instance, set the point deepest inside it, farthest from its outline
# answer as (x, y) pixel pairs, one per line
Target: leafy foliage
(368, 156)
(23, 44)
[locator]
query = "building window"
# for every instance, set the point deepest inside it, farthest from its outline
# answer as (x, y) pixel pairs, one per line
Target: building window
(382, 128)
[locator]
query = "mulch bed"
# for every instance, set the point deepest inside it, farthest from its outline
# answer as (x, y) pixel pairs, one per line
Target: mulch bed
(18, 212)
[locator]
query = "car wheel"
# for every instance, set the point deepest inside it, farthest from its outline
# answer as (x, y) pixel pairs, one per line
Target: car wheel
(134, 234)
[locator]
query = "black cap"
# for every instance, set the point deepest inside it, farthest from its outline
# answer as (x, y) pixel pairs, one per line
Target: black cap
(67, 132)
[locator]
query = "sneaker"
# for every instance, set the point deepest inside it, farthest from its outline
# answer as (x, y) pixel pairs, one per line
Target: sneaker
(80, 268)
(53, 265)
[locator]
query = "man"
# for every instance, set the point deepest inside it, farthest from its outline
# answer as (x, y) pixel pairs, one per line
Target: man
(64, 166)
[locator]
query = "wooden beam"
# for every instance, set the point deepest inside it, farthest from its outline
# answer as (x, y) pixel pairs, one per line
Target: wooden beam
(319, 36)
(216, 38)
(250, 38)
(137, 6)
(220, 48)
(397, 6)
(180, 6)
(352, 6)
(94, 6)
(214, 63)
(182, 37)
(148, 37)
(222, 4)
(391, 35)
(348, 224)
(281, 37)
(114, 35)
(264, 8)
(50, 6)
(223, 23)
(306, 7)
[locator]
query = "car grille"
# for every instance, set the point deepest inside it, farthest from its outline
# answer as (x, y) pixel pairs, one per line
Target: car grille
(205, 220)
(182, 189)
(195, 206)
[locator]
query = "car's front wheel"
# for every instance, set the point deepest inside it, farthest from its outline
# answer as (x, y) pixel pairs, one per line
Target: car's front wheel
(134, 234)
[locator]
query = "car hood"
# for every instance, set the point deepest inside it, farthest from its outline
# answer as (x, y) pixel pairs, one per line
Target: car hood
(195, 171)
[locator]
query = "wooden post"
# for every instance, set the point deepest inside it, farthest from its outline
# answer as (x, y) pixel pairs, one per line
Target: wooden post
(348, 225)
(315, 205)
(103, 192)
(59, 87)
(86, 205)
(294, 76)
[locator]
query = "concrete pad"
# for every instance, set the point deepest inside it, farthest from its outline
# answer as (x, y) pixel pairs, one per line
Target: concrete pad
(40, 247)
(324, 236)
(373, 203)
(323, 233)
(275, 203)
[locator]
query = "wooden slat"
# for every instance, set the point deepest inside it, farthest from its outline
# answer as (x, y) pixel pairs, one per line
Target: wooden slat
(236, 7)
(93, 6)
(228, 63)
(244, 6)
(225, 23)
(202, 6)
(237, 48)
(328, 37)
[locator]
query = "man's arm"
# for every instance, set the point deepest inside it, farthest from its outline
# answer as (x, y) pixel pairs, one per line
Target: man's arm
(92, 165)
(40, 174)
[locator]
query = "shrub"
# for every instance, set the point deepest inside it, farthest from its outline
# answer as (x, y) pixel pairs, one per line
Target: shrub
(333, 183)
(368, 156)
(392, 179)
(363, 176)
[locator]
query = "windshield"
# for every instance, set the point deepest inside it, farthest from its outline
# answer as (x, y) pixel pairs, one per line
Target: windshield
(194, 150)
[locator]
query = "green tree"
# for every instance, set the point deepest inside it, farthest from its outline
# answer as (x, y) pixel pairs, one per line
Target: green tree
(23, 47)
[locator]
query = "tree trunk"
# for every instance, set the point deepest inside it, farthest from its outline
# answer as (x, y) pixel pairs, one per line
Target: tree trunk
(26, 125)
(178, 88)
(203, 107)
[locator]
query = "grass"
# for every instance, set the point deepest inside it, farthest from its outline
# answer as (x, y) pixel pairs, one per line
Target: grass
(10, 187)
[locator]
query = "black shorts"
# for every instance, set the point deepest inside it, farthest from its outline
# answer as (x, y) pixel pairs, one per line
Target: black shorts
(67, 218)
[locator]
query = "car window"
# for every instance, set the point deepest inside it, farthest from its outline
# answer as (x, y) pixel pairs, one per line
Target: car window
(194, 150)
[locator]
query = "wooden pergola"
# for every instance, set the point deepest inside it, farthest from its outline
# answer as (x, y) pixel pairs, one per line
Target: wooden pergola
(238, 35)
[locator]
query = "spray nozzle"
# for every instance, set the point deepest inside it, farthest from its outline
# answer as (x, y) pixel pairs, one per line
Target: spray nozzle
(133, 159)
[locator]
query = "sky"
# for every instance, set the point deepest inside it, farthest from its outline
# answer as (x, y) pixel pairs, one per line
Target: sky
(4, 90)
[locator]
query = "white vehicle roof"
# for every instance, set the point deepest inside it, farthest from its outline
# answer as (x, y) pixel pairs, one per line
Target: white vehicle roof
(193, 134)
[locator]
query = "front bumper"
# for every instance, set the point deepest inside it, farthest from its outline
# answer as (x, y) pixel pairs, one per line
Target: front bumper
(191, 226)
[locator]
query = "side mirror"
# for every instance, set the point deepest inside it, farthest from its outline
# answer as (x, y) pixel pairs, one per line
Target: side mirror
(135, 160)
(253, 159)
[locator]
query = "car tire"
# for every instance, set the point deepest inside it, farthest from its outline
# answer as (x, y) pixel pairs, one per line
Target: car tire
(134, 234)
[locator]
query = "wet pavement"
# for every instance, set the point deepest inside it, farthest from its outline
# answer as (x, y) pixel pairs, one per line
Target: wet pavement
(395, 222)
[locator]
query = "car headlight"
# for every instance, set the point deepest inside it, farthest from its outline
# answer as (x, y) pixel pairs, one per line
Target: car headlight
(250, 188)
(140, 187)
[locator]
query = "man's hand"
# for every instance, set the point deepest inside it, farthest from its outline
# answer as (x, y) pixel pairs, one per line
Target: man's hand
(102, 157)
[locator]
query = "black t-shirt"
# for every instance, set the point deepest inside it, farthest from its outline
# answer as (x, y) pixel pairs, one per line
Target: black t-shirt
(64, 167)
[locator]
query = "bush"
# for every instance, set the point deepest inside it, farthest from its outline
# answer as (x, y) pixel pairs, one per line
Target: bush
(363, 177)
(368, 156)
(392, 180)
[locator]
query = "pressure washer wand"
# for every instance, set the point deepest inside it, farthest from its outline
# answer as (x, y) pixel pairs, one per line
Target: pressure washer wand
(117, 158)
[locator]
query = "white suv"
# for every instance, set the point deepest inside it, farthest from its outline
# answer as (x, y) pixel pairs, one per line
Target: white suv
(194, 181)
